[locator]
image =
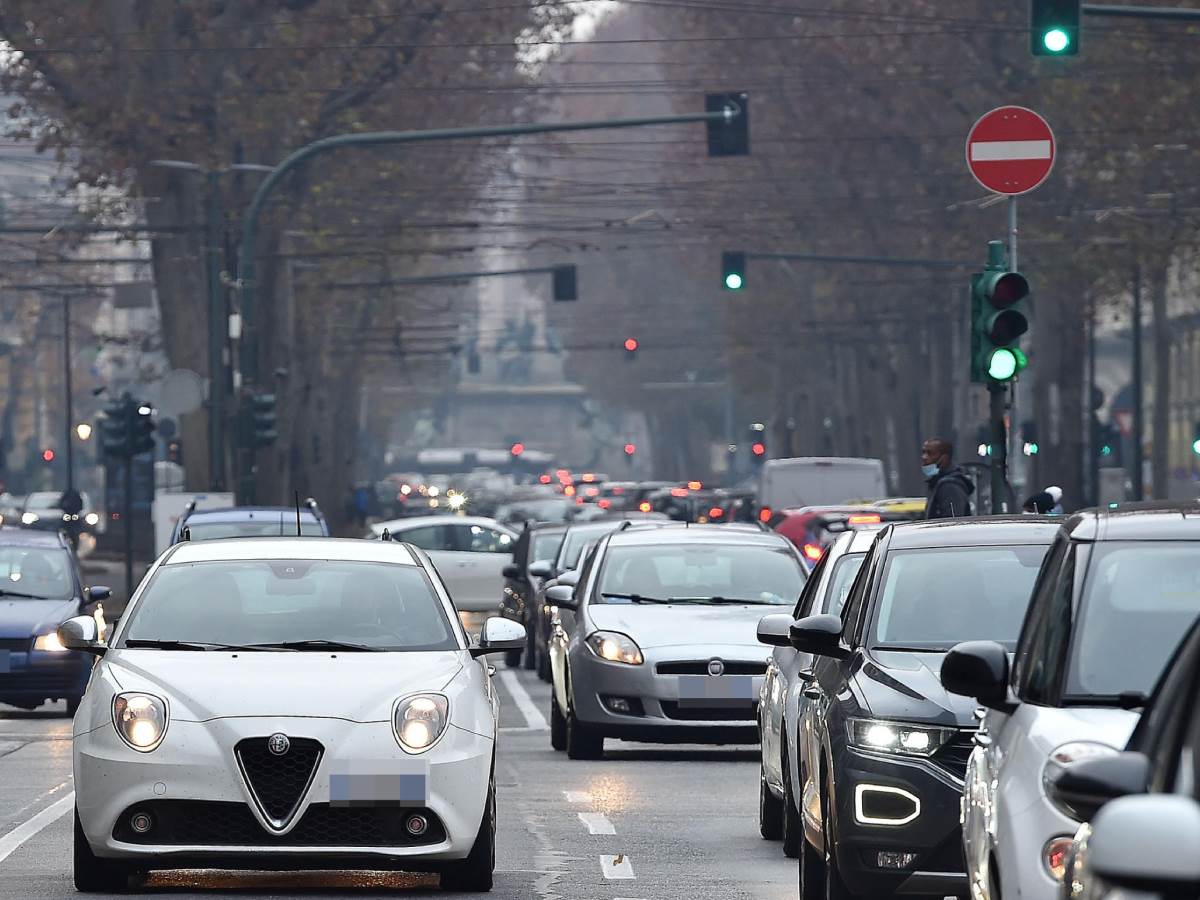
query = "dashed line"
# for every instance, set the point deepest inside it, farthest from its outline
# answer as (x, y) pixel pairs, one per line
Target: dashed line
(577, 796)
(27, 829)
(597, 823)
(533, 716)
(616, 867)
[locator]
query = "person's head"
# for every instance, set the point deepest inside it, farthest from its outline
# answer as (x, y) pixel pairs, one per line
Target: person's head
(936, 456)
(1040, 503)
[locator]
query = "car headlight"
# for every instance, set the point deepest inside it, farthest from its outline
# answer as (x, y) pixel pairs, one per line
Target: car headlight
(49, 643)
(1066, 755)
(898, 737)
(140, 719)
(615, 647)
(28, 518)
(419, 720)
(92, 518)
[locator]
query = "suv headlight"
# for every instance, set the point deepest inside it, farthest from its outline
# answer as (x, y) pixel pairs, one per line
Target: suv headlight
(419, 720)
(898, 737)
(28, 518)
(615, 647)
(140, 720)
(49, 643)
(1066, 755)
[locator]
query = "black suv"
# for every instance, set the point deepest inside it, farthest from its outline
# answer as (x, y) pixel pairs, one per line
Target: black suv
(883, 745)
(533, 558)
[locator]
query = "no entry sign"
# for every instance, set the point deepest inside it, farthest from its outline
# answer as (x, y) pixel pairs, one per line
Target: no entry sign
(1010, 150)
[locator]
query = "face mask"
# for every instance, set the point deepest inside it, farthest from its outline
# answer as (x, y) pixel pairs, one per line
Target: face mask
(930, 470)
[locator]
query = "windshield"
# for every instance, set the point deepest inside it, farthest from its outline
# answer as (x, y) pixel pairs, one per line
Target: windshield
(839, 582)
(43, 500)
(39, 572)
(698, 572)
(1139, 600)
(209, 531)
(579, 537)
(545, 546)
(933, 598)
(268, 601)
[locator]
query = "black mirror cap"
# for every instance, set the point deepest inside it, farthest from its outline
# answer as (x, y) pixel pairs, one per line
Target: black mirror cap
(511, 570)
(775, 630)
(562, 595)
(99, 592)
(978, 669)
(819, 635)
(1083, 787)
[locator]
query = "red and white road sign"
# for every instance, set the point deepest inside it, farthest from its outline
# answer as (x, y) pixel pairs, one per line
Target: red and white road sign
(1010, 150)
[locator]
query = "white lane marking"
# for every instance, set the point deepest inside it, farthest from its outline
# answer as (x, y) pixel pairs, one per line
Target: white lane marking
(533, 716)
(577, 796)
(616, 867)
(36, 800)
(597, 823)
(997, 151)
(30, 827)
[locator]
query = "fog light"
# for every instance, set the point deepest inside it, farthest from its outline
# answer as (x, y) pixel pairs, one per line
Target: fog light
(416, 825)
(141, 822)
(894, 859)
(617, 704)
(1054, 856)
(879, 804)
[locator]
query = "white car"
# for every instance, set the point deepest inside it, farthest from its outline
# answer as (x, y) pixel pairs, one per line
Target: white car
(280, 703)
(469, 552)
(1115, 595)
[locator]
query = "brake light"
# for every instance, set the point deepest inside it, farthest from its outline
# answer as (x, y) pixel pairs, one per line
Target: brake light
(569, 490)
(764, 514)
(865, 519)
(716, 512)
(592, 491)
(589, 477)
(644, 506)
(679, 492)
(604, 504)
(544, 479)
(812, 552)
(694, 485)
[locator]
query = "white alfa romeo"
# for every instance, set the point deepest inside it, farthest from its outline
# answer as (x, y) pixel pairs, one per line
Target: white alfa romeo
(287, 703)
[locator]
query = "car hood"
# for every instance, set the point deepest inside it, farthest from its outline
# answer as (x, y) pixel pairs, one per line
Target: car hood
(23, 618)
(893, 684)
(666, 626)
(359, 687)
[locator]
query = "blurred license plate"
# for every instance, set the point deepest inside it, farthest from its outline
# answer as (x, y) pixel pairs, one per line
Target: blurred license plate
(385, 783)
(715, 690)
(5, 661)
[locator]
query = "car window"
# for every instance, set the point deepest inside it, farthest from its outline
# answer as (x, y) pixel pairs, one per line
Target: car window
(266, 527)
(805, 604)
(700, 573)
(545, 546)
(267, 601)
(481, 539)
(840, 581)
(427, 537)
(1045, 660)
(860, 586)
(42, 572)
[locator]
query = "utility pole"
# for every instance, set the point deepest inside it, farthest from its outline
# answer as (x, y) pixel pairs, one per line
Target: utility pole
(214, 244)
(1139, 415)
(69, 397)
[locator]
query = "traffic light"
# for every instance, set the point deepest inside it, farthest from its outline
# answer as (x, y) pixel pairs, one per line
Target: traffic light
(733, 270)
(141, 428)
(1196, 439)
(564, 284)
(1054, 27)
(999, 316)
(758, 443)
(729, 136)
(631, 348)
(262, 420)
(48, 455)
(114, 428)
(631, 449)
(1029, 441)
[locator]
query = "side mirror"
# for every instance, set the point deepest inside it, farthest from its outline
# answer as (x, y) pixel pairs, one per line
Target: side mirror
(81, 633)
(98, 593)
(499, 635)
(541, 568)
(1082, 788)
(511, 570)
(819, 635)
(1148, 843)
(979, 669)
(568, 578)
(562, 595)
(775, 630)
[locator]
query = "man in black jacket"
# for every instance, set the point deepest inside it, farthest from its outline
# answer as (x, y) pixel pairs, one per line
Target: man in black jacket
(950, 487)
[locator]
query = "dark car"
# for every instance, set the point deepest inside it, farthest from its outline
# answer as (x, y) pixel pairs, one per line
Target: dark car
(250, 521)
(883, 745)
(40, 587)
(533, 557)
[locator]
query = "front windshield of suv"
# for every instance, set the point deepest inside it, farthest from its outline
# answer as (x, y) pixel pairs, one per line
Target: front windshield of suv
(1139, 600)
(700, 573)
(211, 531)
(37, 573)
(272, 601)
(935, 597)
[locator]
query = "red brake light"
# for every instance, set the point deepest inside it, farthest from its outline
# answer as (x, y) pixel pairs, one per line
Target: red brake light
(644, 506)
(592, 491)
(604, 504)
(544, 479)
(764, 514)
(812, 552)
(716, 512)
(517, 449)
(865, 519)
(589, 477)
(679, 492)
(694, 485)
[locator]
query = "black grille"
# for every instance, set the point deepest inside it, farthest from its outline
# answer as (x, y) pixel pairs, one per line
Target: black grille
(954, 755)
(700, 667)
(743, 712)
(279, 782)
(206, 823)
(34, 683)
(18, 645)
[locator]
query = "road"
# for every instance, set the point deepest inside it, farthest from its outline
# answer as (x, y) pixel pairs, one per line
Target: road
(646, 823)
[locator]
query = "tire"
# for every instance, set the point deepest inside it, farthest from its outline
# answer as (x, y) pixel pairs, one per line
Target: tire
(835, 887)
(95, 875)
(543, 666)
(475, 874)
(812, 871)
(558, 724)
(529, 660)
(793, 828)
(513, 659)
(583, 741)
(73, 706)
(770, 809)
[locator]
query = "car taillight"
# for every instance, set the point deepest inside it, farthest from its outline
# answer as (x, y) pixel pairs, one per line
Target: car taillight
(865, 519)
(764, 514)
(812, 552)
(716, 512)
(644, 506)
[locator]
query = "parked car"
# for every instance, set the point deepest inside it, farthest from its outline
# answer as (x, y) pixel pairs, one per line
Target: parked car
(249, 521)
(788, 674)
(469, 552)
(657, 640)
(533, 555)
(41, 586)
(882, 744)
(1117, 592)
(44, 511)
(813, 528)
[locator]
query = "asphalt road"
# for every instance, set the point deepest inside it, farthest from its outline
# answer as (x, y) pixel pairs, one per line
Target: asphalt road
(648, 822)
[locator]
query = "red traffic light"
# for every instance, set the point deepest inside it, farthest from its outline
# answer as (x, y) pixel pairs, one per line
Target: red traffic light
(517, 449)
(630, 449)
(758, 448)
(48, 455)
(631, 345)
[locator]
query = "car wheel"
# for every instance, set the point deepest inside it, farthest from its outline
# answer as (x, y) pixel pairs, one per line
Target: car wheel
(475, 873)
(835, 887)
(558, 724)
(770, 810)
(73, 705)
(583, 741)
(530, 658)
(543, 666)
(793, 832)
(812, 871)
(513, 659)
(95, 875)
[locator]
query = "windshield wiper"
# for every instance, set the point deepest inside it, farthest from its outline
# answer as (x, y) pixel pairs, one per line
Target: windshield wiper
(635, 598)
(8, 593)
(316, 644)
(736, 601)
(179, 645)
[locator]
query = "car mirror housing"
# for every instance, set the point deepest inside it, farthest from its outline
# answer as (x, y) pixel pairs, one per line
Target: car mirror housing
(568, 578)
(1082, 788)
(81, 633)
(562, 595)
(819, 635)
(775, 630)
(98, 593)
(979, 669)
(541, 568)
(499, 635)
(511, 570)
(1148, 843)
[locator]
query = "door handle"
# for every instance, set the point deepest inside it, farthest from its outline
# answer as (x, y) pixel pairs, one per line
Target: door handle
(812, 693)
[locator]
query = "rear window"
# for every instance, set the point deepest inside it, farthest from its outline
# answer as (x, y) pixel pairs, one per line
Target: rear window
(210, 531)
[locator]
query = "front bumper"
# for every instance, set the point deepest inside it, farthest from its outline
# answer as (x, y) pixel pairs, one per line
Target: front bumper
(35, 676)
(195, 769)
(865, 781)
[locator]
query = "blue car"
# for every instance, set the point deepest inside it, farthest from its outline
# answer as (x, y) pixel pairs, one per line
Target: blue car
(41, 586)
(249, 521)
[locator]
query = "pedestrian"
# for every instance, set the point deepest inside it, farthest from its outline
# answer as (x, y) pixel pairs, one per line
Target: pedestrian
(950, 487)
(1045, 503)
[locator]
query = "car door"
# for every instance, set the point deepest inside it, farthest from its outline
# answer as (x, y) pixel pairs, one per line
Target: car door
(473, 563)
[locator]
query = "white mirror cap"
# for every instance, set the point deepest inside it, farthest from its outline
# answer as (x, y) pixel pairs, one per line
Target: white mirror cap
(78, 632)
(498, 630)
(1152, 838)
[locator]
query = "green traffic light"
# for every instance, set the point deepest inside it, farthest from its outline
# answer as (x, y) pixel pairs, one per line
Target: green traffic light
(1196, 445)
(733, 281)
(1056, 40)
(1002, 364)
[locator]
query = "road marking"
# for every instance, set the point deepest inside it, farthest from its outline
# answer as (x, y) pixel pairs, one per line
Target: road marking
(30, 827)
(597, 823)
(533, 716)
(577, 796)
(999, 151)
(36, 800)
(616, 867)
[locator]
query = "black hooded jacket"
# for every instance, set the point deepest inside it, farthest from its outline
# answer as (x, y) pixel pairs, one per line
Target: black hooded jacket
(949, 494)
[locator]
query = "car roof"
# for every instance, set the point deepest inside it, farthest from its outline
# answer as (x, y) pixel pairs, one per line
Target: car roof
(683, 534)
(243, 513)
(972, 532)
(25, 537)
(243, 548)
(399, 526)
(1144, 521)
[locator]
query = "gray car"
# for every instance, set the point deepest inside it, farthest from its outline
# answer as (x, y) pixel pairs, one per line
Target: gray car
(657, 641)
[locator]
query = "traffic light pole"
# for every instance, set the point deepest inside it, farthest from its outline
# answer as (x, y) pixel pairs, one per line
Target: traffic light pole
(127, 512)
(69, 397)
(1012, 451)
(999, 437)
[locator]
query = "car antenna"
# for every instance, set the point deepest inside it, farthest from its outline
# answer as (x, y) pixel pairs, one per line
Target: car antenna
(299, 533)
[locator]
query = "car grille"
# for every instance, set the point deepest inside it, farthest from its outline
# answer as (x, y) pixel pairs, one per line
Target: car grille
(700, 667)
(742, 712)
(207, 823)
(954, 755)
(35, 683)
(17, 645)
(278, 782)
